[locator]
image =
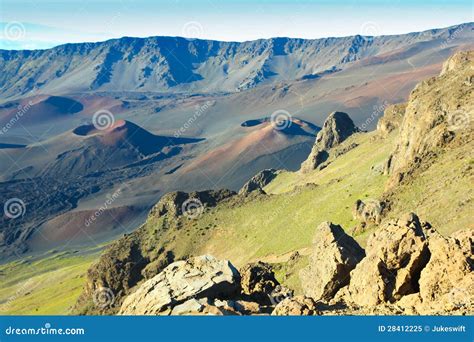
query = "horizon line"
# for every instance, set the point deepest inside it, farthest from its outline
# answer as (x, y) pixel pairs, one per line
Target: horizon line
(240, 42)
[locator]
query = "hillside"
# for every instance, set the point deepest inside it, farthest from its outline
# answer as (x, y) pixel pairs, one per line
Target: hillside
(277, 223)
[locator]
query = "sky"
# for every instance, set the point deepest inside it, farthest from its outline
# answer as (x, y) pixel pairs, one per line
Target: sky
(33, 24)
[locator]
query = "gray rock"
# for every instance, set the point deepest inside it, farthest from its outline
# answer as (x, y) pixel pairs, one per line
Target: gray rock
(198, 277)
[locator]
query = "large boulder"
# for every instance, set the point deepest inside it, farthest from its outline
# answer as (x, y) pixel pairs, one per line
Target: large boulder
(396, 254)
(258, 281)
(333, 257)
(447, 281)
(198, 277)
(259, 181)
(296, 306)
(337, 128)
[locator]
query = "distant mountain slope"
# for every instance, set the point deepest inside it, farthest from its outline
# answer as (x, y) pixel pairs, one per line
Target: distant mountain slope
(179, 64)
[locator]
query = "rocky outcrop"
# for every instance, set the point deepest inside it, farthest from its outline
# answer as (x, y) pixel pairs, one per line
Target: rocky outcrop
(333, 257)
(135, 257)
(280, 293)
(392, 118)
(258, 281)
(438, 110)
(447, 282)
(337, 128)
(259, 181)
(176, 203)
(396, 254)
(465, 238)
(296, 306)
(181, 281)
(368, 211)
(117, 271)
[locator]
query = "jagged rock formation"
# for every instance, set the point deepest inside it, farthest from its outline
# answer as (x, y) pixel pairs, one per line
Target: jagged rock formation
(258, 281)
(466, 239)
(396, 253)
(205, 285)
(438, 110)
(280, 293)
(259, 181)
(337, 128)
(199, 277)
(326, 275)
(296, 306)
(368, 211)
(410, 268)
(174, 203)
(447, 281)
(392, 118)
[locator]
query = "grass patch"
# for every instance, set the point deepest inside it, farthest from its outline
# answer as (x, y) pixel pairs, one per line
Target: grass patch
(43, 286)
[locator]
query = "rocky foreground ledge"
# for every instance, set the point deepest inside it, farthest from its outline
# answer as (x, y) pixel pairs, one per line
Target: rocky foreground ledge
(407, 268)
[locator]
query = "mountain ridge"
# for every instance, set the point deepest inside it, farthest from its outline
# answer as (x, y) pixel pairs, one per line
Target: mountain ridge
(189, 65)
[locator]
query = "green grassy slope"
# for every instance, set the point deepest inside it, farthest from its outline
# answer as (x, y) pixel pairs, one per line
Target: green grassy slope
(263, 226)
(441, 192)
(45, 286)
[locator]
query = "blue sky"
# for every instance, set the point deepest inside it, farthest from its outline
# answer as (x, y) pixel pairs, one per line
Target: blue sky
(45, 23)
